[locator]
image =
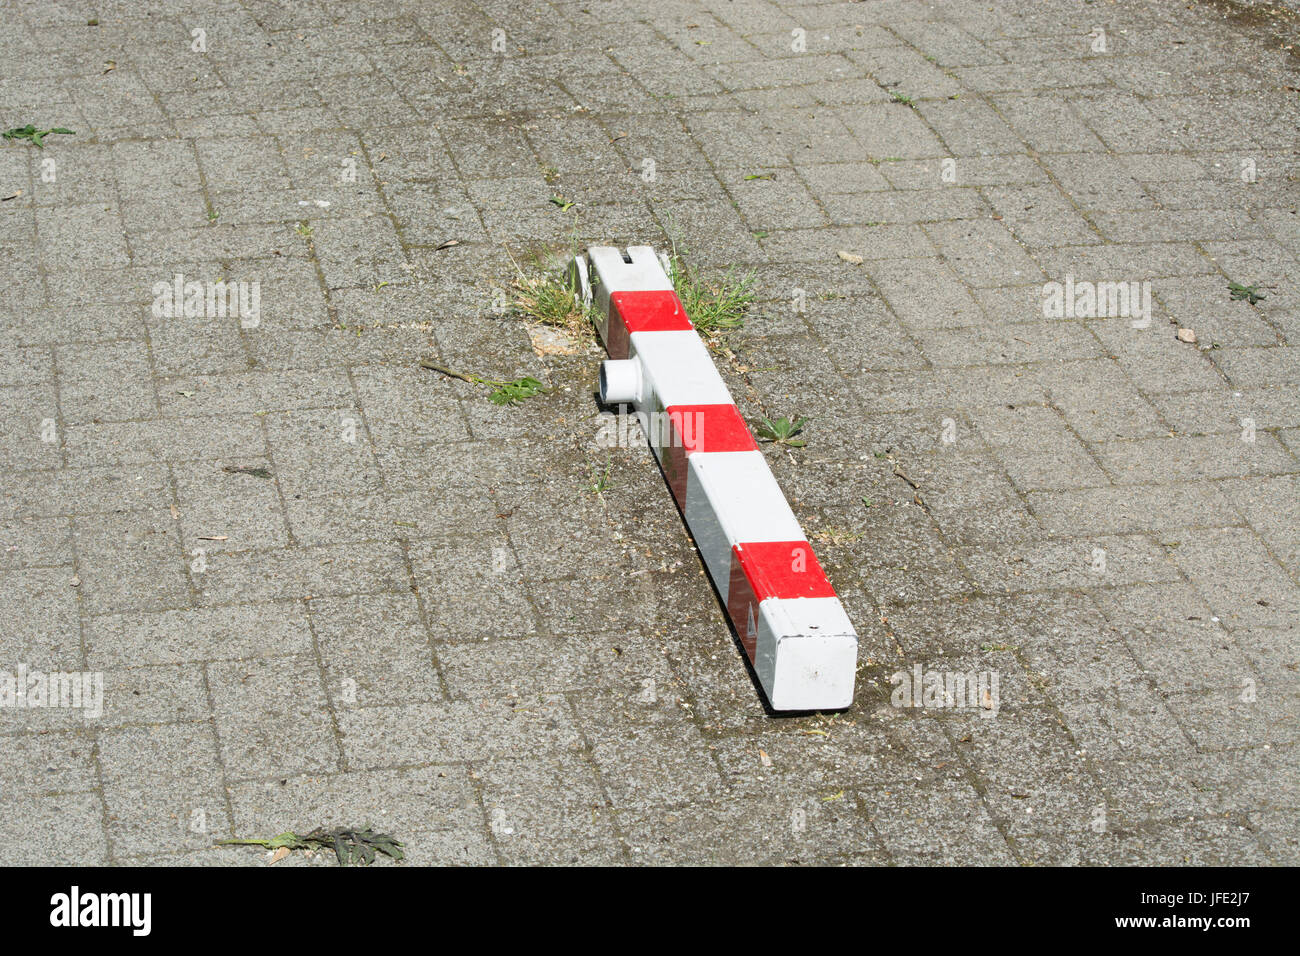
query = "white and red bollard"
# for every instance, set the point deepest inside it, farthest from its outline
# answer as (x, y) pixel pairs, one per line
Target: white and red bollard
(792, 625)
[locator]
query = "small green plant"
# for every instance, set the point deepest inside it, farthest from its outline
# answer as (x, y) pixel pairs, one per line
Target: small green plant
(900, 98)
(34, 135)
(564, 204)
(600, 479)
(714, 306)
(303, 229)
(782, 431)
(503, 392)
(1250, 293)
(350, 845)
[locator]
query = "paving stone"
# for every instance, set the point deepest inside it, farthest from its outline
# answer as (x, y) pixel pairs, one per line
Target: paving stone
(416, 734)
(1276, 831)
(548, 811)
(1058, 460)
(1189, 458)
(40, 605)
(48, 763)
(983, 253)
(374, 649)
(1133, 508)
(537, 663)
(106, 382)
(219, 509)
(1098, 560)
(947, 821)
(1220, 719)
(172, 751)
(785, 828)
(1036, 778)
(1271, 507)
(29, 542)
(1041, 216)
(631, 748)
(320, 452)
(1158, 365)
(1238, 576)
(1195, 843)
(181, 439)
(237, 631)
(330, 568)
(131, 562)
(66, 830)
(1257, 367)
(271, 717)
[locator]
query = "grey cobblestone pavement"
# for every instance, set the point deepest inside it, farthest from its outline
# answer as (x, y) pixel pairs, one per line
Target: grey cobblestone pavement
(324, 586)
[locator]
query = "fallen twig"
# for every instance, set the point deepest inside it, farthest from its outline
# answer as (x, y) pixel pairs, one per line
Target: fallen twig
(451, 372)
(503, 393)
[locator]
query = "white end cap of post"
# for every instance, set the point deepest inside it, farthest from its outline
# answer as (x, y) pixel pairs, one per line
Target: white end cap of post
(806, 653)
(641, 271)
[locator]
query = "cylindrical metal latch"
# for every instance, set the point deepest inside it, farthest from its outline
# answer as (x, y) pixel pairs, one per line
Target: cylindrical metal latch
(620, 381)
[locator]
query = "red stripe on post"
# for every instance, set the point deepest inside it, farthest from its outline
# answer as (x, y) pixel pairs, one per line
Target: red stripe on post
(657, 311)
(770, 569)
(704, 428)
